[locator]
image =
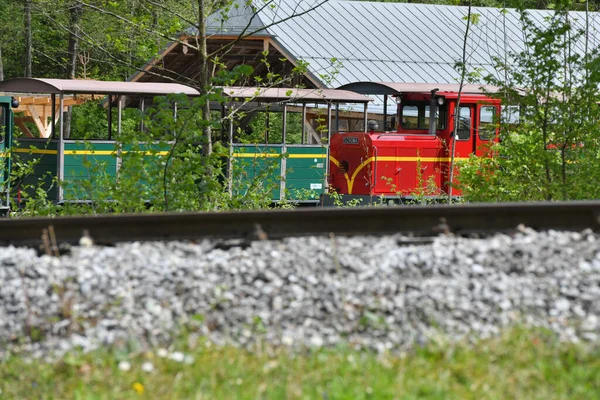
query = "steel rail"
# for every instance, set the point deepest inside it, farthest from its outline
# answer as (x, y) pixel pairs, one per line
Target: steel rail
(416, 220)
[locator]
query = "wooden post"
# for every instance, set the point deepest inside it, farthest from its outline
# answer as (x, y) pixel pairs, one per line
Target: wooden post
(303, 140)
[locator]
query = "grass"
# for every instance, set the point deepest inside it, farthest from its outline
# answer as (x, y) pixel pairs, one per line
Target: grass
(521, 364)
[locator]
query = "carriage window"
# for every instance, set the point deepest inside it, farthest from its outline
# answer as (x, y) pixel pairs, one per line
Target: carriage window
(464, 124)
(416, 116)
(487, 123)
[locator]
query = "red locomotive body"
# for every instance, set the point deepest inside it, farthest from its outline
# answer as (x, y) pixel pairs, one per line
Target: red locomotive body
(415, 158)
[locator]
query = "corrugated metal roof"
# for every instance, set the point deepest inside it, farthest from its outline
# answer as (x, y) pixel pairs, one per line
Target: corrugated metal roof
(72, 86)
(234, 21)
(400, 42)
(295, 95)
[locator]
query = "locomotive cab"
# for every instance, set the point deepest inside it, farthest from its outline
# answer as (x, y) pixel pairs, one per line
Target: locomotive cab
(414, 159)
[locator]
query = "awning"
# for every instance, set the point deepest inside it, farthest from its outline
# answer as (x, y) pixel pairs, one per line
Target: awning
(396, 88)
(84, 86)
(294, 95)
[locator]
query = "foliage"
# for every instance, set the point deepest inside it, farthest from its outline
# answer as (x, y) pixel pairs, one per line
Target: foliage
(272, 123)
(521, 364)
(160, 169)
(111, 39)
(551, 153)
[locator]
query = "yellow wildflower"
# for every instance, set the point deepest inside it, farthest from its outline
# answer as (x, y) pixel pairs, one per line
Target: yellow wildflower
(138, 387)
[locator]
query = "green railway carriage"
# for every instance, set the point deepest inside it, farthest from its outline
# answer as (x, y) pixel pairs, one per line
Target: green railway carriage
(41, 156)
(66, 168)
(295, 172)
(296, 166)
(293, 168)
(81, 161)
(7, 103)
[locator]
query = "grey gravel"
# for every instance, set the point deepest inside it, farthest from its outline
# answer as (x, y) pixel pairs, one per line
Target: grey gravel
(375, 292)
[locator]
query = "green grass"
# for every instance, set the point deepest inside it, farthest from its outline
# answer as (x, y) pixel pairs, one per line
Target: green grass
(520, 365)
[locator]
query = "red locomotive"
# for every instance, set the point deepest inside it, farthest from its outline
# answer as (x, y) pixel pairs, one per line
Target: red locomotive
(413, 158)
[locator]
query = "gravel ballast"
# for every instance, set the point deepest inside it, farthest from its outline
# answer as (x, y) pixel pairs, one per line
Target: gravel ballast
(388, 292)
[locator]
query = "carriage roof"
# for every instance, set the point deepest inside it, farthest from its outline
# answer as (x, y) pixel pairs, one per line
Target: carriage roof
(85, 86)
(397, 88)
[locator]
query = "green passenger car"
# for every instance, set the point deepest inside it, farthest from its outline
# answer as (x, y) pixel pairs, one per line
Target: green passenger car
(293, 172)
(70, 170)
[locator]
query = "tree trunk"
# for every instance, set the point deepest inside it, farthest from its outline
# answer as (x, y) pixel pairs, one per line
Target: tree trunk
(1, 66)
(28, 39)
(463, 73)
(204, 77)
(76, 12)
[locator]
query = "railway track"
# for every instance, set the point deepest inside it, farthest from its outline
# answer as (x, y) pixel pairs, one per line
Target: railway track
(274, 224)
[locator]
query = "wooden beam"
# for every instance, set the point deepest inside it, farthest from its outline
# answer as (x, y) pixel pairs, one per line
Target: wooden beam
(155, 61)
(312, 134)
(56, 113)
(235, 37)
(20, 122)
(36, 120)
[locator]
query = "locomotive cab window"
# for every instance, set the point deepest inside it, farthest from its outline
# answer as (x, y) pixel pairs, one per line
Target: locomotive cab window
(464, 124)
(487, 122)
(416, 116)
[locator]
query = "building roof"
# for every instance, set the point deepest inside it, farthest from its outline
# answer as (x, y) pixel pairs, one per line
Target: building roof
(237, 21)
(395, 42)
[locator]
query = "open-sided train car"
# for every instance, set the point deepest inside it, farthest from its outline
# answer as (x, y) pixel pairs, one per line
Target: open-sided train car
(294, 154)
(297, 169)
(415, 158)
(66, 160)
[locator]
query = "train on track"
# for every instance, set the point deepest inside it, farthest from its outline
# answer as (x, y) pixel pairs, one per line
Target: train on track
(417, 157)
(342, 147)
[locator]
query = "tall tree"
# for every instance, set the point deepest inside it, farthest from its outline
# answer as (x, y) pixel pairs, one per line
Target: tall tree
(75, 13)
(1, 66)
(462, 66)
(202, 10)
(28, 39)
(551, 150)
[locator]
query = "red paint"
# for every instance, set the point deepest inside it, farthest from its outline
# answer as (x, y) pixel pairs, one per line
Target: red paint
(409, 161)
